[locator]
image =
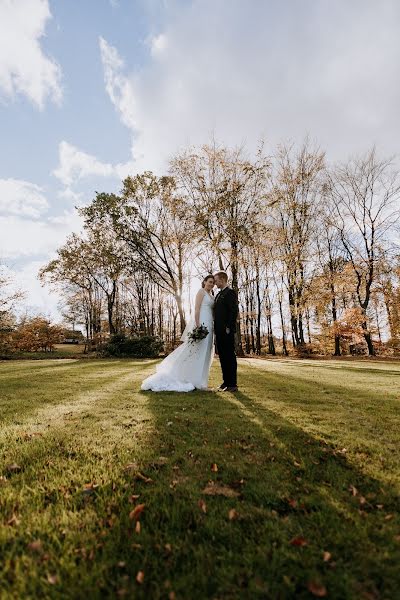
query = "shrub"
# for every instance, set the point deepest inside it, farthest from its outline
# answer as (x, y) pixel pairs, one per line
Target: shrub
(136, 347)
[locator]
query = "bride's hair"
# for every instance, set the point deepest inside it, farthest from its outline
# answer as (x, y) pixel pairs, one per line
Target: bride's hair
(206, 278)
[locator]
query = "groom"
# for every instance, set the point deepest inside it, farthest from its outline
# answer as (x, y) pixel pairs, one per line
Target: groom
(225, 315)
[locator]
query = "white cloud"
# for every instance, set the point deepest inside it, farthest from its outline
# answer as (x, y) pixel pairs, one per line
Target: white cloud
(21, 198)
(276, 69)
(118, 87)
(22, 238)
(24, 67)
(75, 165)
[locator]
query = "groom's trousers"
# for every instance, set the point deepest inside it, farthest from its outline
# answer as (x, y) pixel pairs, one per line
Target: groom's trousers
(225, 343)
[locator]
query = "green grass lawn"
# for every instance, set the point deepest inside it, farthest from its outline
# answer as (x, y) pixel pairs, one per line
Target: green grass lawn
(288, 489)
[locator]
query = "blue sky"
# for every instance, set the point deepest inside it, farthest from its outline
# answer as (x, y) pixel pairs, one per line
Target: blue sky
(92, 90)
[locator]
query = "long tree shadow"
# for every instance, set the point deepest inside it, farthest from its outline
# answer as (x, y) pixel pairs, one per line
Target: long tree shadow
(242, 503)
(239, 502)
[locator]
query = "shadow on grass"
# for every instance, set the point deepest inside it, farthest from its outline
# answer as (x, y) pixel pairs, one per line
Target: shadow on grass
(295, 498)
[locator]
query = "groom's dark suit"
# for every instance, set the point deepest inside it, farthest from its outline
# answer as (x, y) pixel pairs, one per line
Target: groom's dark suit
(225, 314)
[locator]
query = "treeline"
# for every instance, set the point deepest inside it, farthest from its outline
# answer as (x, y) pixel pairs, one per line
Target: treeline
(310, 248)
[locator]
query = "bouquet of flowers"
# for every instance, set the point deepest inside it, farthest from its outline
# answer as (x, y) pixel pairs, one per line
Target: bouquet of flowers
(197, 334)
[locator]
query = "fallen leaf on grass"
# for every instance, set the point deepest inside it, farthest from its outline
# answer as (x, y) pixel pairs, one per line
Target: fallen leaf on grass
(52, 579)
(203, 506)
(292, 503)
(3, 479)
(316, 589)
(131, 467)
(89, 488)
(214, 468)
(142, 477)
(216, 489)
(137, 527)
(327, 556)
(14, 520)
(136, 512)
(298, 541)
(121, 564)
(389, 517)
(13, 468)
(133, 498)
(171, 596)
(233, 514)
(140, 577)
(35, 546)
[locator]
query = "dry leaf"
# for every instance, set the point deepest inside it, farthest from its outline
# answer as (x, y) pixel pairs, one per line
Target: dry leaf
(353, 490)
(13, 468)
(14, 520)
(121, 564)
(137, 527)
(143, 478)
(327, 556)
(298, 541)
(168, 548)
(214, 468)
(233, 514)
(53, 579)
(388, 517)
(35, 546)
(216, 489)
(136, 512)
(140, 577)
(292, 503)
(202, 506)
(316, 589)
(171, 596)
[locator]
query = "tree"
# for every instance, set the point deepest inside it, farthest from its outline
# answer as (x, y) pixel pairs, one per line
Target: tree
(365, 195)
(295, 194)
(149, 219)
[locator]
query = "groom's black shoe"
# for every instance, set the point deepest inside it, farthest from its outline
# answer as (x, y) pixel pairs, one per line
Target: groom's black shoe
(222, 387)
(233, 388)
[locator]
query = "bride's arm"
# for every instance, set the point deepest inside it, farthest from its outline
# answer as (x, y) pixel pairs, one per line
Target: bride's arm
(197, 306)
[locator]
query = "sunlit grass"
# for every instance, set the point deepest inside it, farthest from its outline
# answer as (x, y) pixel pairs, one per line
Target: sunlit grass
(307, 451)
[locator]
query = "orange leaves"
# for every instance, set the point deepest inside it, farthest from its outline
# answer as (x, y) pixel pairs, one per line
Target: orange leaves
(140, 577)
(298, 541)
(233, 515)
(214, 468)
(203, 506)
(136, 512)
(317, 589)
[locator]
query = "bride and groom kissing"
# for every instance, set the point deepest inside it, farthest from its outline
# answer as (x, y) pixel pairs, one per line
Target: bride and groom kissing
(188, 367)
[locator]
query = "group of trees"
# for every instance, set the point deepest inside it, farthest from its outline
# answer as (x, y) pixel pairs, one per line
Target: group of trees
(310, 248)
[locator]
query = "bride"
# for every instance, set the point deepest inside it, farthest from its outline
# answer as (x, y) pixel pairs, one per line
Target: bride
(188, 367)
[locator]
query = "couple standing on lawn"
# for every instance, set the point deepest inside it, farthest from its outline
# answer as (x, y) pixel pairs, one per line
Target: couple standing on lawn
(188, 367)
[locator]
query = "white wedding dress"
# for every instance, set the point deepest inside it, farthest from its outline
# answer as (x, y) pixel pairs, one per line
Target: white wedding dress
(188, 367)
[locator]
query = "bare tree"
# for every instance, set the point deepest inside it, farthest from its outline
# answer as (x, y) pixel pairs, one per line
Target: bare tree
(365, 194)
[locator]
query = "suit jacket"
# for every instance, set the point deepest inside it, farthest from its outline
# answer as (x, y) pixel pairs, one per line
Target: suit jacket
(226, 310)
